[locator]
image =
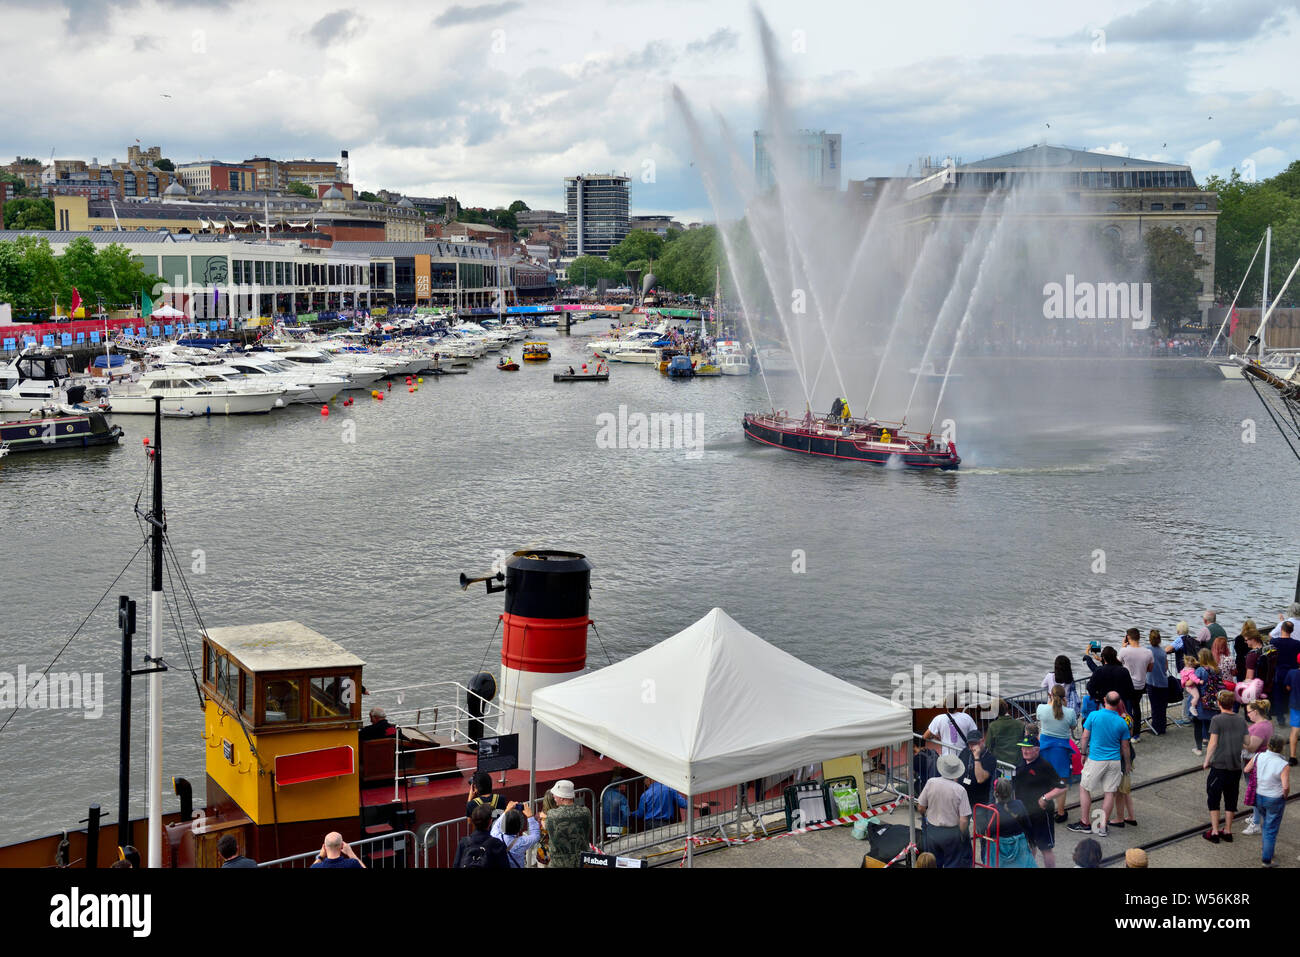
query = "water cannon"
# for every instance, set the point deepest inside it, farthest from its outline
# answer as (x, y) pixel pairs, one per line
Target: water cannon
(466, 581)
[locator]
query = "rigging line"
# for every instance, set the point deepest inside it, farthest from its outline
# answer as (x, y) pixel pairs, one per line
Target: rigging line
(608, 660)
(179, 625)
(1269, 409)
(488, 647)
(74, 634)
(185, 587)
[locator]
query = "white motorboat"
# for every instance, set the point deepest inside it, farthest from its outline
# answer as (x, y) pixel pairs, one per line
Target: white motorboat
(318, 387)
(731, 363)
(183, 396)
(775, 361)
(38, 377)
(358, 376)
(643, 355)
(605, 348)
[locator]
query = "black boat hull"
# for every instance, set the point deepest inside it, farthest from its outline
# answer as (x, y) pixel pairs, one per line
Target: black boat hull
(833, 447)
(564, 377)
(62, 432)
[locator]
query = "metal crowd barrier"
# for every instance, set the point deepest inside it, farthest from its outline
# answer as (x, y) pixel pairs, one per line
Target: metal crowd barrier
(364, 849)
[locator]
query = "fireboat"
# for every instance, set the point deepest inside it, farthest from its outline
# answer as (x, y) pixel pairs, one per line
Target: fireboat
(838, 435)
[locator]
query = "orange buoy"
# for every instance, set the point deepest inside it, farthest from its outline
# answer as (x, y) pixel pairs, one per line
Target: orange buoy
(380, 397)
(324, 410)
(146, 440)
(390, 387)
(411, 389)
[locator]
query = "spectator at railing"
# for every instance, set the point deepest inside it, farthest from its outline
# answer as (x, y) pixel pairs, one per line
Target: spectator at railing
(946, 809)
(1004, 735)
(519, 830)
(379, 726)
(480, 848)
(659, 805)
(569, 827)
(1158, 684)
(335, 853)
(615, 811)
(1063, 674)
(480, 795)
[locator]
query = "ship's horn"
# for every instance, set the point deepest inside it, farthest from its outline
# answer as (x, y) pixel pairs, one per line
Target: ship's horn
(466, 581)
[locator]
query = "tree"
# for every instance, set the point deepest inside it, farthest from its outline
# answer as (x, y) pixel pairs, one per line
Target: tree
(19, 186)
(29, 274)
(29, 213)
(165, 164)
(638, 244)
(518, 206)
(368, 197)
(1246, 209)
(504, 219)
(301, 189)
(586, 270)
(687, 264)
(1171, 266)
(121, 275)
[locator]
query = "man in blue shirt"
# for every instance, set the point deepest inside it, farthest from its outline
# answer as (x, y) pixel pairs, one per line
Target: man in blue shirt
(1105, 742)
(614, 811)
(659, 804)
(336, 853)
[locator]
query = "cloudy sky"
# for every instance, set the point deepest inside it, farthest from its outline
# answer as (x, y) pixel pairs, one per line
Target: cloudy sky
(496, 101)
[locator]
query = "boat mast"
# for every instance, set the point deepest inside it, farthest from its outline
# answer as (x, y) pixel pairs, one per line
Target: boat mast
(155, 648)
(1268, 245)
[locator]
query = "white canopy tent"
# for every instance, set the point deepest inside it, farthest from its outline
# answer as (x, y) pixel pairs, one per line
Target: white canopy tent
(715, 705)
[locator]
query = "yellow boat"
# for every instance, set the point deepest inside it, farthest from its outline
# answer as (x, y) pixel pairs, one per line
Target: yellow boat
(536, 352)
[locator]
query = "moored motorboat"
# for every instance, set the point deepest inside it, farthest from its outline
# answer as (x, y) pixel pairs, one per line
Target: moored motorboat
(842, 437)
(61, 427)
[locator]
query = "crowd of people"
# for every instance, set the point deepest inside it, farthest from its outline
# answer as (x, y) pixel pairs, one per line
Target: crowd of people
(1008, 785)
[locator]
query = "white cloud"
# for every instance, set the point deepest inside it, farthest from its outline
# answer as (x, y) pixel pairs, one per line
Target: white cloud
(525, 95)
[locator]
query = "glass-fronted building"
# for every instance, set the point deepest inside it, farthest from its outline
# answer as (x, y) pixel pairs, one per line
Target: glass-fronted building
(596, 212)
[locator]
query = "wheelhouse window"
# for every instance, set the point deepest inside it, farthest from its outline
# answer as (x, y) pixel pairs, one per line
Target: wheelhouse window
(332, 696)
(282, 696)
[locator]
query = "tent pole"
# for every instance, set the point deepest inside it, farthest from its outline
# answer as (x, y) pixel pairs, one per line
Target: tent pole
(911, 807)
(532, 768)
(690, 829)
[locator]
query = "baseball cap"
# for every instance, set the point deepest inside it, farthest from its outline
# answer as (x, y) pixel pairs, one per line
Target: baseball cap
(973, 736)
(1028, 741)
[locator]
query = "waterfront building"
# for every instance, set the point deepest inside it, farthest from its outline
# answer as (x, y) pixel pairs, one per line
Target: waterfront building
(659, 225)
(596, 213)
(447, 273)
(815, 154)
(551, 220)
(234, 212)
(1118, 197)
(222, 276)
(126, 181)
(199, 177)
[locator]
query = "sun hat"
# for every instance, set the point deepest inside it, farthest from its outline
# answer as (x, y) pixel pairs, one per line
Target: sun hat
(950, 766)
(563, 789)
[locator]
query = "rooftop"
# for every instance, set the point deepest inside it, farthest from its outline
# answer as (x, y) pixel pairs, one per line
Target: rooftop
(282, 646)
(1044, 157)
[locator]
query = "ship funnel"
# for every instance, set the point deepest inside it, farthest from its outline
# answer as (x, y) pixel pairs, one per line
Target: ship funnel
(544, 642)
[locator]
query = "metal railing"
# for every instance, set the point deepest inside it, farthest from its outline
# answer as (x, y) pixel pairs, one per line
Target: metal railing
(438, 842)
(449, 720)
(395, 850)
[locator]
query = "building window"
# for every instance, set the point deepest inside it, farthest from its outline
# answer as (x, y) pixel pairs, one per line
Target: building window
(1199, 235)
(1201, 206)
(1157, 206)
(1180, 205)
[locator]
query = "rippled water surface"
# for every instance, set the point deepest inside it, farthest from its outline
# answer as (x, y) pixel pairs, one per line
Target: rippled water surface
(991, 567)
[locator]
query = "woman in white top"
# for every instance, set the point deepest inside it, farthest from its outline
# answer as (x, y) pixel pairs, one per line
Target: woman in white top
(1273, 784)
(1056, 724)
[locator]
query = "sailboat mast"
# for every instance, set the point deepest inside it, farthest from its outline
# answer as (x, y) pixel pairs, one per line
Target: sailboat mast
(155, 650)
(1268, 245)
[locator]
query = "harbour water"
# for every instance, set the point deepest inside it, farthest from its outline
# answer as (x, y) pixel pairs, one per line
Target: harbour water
(1093, 495)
